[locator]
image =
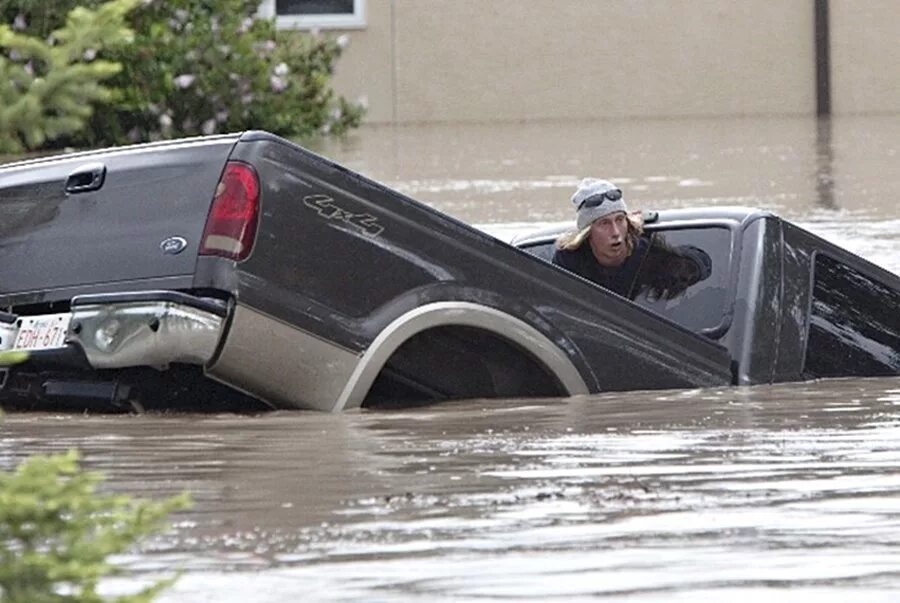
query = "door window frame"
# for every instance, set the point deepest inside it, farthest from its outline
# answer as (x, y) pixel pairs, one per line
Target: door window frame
(715, 332)
(727, 316)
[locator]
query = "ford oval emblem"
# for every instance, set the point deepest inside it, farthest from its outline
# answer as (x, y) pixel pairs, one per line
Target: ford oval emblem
(173, 245)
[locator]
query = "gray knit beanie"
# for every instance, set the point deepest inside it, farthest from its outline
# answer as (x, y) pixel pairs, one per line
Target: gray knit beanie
(591, 190)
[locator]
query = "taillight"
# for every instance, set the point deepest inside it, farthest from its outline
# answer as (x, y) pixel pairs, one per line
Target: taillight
(231, 225)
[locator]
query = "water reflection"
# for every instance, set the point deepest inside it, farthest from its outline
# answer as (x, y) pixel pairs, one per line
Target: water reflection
(734, 490)
(825, 165)
(838, 177)
(525, 172)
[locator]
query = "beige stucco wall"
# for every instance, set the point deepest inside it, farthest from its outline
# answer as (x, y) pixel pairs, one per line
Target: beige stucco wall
(486, 60)
(865, 56)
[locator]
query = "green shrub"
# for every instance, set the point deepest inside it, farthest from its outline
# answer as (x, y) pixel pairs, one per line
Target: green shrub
(48, 87)
(203, 67)
(40, 17)
(57, 532)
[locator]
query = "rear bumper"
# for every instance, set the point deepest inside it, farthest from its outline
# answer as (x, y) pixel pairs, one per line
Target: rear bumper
(122, 330)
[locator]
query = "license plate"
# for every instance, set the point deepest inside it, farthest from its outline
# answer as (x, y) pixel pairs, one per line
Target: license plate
(42, 332)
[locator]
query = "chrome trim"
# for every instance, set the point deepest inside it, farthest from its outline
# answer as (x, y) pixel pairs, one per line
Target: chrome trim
(119, 335)
(463, 314)
(212, 305)
(7, 335)
(281, 364)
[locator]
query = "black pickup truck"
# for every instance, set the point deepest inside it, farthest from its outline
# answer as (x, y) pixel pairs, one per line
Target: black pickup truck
(194, 270)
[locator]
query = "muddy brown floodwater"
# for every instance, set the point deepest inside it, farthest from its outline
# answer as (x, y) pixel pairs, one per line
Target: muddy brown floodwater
(789, 491)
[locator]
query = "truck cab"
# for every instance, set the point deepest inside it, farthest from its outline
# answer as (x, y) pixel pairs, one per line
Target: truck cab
(786, 304)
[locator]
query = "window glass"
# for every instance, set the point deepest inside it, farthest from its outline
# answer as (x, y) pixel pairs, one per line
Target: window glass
(541, 250)
(308, 14)
(687, 284)
(313, 7)
(854, 325)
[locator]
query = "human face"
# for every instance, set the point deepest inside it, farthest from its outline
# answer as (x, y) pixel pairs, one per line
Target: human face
(607, 239)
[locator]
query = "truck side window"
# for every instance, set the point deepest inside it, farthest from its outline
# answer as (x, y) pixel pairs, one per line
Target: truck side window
(701, 305)
(854, 327)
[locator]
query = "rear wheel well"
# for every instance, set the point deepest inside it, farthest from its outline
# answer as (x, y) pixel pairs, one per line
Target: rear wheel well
(455, 362)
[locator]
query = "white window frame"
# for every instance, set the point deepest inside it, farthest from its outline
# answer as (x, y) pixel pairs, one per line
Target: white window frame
(333, 21)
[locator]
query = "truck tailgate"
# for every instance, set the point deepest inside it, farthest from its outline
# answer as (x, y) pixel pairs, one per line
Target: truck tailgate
(99, 217)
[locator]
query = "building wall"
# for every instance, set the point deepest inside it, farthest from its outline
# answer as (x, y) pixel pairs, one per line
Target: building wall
(487, 60)
(865, 56)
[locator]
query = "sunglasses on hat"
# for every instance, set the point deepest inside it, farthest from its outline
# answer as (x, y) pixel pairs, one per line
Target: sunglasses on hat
(613, 194)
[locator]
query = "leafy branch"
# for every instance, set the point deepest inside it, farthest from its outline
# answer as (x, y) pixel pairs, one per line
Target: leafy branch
(57, 532)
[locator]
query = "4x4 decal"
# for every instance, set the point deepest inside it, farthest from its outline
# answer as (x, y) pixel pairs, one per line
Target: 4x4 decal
(327, 208)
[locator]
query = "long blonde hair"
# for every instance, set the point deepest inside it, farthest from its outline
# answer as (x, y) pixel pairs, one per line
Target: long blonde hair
(572, 239)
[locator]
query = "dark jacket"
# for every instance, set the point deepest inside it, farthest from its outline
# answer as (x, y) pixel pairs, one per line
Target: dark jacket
(582, 262)
(655, 266)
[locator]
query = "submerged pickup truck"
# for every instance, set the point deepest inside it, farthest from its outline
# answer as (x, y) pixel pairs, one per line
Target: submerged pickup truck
(246, 267)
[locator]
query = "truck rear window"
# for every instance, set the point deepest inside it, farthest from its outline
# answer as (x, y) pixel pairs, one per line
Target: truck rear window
(853, 324)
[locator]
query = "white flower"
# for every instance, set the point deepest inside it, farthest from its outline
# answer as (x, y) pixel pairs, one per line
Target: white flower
(277, 84)
(185, 80)
(245, 25)
(281, 69)
(90, 54)
(343, 41)
(208, 127)
(165, 121)
(264, 48)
